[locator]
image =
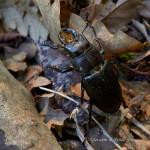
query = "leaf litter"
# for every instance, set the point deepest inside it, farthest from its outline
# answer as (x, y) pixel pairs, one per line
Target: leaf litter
(32, 64)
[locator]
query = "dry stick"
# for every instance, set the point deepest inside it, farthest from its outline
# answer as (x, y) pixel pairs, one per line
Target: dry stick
(77, 103)
(135, 71)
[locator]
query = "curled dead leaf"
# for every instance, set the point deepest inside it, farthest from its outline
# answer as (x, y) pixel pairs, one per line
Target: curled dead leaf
(31, 72)
(122, 15)
(113, 44)
(14, 65)
(50, 13)
(52, 116)
(37, 82)
(140, 57)
(96, 11)
(20, 57)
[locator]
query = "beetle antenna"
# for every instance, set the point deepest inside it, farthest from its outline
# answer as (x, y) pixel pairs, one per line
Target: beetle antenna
(99, 41)
(86, 21)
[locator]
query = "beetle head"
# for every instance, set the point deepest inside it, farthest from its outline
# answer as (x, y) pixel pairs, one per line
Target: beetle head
(77, 45)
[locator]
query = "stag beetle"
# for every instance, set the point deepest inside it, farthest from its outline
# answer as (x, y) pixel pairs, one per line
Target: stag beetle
(98, 76)
(99, 79)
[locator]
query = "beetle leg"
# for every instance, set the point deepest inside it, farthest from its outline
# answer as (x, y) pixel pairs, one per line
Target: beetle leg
(64, 70)
(82, 91)
(90, 110)
(90, 118)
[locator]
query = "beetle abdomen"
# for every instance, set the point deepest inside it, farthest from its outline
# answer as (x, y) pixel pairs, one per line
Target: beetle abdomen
(103, 88)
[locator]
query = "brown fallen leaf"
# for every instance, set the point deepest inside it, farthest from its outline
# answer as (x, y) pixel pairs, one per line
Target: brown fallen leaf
(113, 44)
(96, 11)
(14, 65)
(20, 57)
(140, 57)
(50, 13)
(77, 90)
(122, 15)
(24, 18)
(10, 39)
(141, 28)
(52, 116)
(37, 82)
(144, 10)
(9, 52)
(117, 43)
(29, 48)
(143, 144)
(31, 72)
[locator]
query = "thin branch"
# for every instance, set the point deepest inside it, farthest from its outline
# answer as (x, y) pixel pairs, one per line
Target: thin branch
(134, 70)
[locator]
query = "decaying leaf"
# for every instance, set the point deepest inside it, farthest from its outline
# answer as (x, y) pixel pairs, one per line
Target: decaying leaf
(29, 48)
(50, 13)
(36, 27)
(24, 18)
(20, 57)
(96, 11)
(140, 57)
(14, 65)
(142, 144)
(10, 39)
(122, 15)
(77, 90)
(37, 82)
(13, 20)
(114, 44)
(141, 28)
(31, 72)
(145, 9)
(52, 116)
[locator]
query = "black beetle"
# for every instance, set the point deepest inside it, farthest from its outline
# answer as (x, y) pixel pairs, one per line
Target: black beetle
(99, 78)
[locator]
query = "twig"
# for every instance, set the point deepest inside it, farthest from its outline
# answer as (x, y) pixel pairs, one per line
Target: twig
(137, 123)
(142, 108)
(81, 136)
(71, 99)
(135, 71)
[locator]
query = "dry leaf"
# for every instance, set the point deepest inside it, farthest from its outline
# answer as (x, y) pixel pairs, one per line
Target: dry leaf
(77, 90)
(114, 44)
(20, 57)
(96, 11)
(50, 13)
(141, 28)
(31, 72)
(36, 27)
(29, 48)
(144, 10)
(13, 20)
(47, 95)
(121, 15)
(142, 144)
(51, 116)
(140, 57)
(37, 82)
(10, 39)
(117, 43)
(23, 18)
(9, 52)
(14, 65)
